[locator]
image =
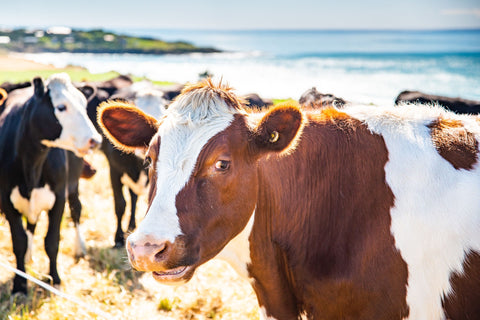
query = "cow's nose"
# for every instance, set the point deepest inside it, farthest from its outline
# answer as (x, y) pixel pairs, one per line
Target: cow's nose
(148, 254)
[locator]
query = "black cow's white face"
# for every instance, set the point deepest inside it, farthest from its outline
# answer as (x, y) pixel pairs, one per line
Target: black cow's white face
(70, 110)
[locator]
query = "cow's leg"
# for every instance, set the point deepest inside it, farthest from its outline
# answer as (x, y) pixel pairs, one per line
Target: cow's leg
(76, 211)
(30, 233)
(133, 209)
(20, 244)
(52, 238)
(119, 201)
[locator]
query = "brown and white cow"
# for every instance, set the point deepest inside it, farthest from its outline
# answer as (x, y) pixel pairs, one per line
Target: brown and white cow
(364, 213)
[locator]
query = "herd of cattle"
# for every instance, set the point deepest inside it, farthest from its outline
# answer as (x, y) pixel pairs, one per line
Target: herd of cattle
(337, 229)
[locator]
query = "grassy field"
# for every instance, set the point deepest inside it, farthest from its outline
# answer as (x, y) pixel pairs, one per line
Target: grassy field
(76, 74)
(104, 279)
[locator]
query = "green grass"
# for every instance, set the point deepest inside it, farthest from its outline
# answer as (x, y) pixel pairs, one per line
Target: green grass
(77, 74)
(156, 82)
(277, 101)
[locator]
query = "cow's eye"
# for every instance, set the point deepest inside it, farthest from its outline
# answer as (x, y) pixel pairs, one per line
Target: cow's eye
(61, 107)
(222, 165)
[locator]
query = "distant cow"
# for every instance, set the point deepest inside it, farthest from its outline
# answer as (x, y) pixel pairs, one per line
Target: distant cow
(35, 123)
(254, 100)
(314, 99)
(457, 105)
(364, 213)
(8, 86)
(125, 168)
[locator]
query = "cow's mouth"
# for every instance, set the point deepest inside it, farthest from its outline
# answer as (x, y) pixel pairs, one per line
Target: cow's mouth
(182, 273)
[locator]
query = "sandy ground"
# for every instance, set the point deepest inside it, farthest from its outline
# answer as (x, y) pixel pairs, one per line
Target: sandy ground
(10, 62)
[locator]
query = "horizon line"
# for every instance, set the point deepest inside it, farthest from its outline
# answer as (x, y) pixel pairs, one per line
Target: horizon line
(244, 29)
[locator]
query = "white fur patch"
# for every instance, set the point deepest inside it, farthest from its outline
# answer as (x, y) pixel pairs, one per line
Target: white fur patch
(237, 251)
(151, 102)
(436, 213)
(190, 122)
(79, 249)
(41, 199)
(263, 314)
(77, 129)
(138, 187)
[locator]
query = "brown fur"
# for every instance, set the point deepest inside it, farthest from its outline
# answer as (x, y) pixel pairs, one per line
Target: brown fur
(121, 120)
(454, 143)
(464, 301)
(88, 171)
(330, 260)
(312, 250)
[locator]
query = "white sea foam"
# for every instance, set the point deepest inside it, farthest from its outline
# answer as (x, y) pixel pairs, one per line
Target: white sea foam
(359, 78)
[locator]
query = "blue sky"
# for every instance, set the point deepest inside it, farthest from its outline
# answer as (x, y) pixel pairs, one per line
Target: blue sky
(245, 14)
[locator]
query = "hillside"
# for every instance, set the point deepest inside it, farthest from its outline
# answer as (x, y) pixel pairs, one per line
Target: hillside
(62, 39)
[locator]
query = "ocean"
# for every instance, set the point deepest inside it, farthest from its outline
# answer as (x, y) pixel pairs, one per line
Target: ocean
(363, 66)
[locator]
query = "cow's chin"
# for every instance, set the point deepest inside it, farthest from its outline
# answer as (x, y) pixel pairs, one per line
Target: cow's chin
(175, 276)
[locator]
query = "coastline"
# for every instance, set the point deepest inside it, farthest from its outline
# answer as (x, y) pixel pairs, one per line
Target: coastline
(14, 62)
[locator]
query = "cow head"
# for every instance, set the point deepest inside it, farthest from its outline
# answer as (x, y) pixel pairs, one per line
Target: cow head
(203, 173)
(59, 116)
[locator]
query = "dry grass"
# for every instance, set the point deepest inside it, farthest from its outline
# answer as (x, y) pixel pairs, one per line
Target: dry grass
(104, 278)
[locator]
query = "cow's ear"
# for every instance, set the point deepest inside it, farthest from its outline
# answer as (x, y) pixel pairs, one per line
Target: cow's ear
(3, 95)
(126, 126)
(88, 91)
(278, 130)
(39, 87)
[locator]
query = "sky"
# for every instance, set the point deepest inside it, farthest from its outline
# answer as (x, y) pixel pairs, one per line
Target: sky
(245, 14)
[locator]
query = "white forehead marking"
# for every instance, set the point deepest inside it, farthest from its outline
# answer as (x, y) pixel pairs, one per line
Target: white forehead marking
(190, 122)
(77, 129)
(436, 213)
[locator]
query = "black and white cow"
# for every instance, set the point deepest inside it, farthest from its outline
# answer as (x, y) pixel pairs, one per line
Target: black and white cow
(34, 124)
(125, 169)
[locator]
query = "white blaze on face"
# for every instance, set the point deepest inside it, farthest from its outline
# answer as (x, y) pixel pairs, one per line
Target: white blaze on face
(71, 111)
(436, 213)
(151, 102)
(184, 132)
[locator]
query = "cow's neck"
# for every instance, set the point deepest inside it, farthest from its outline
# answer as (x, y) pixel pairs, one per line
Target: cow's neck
(32, 154)
(237, 251)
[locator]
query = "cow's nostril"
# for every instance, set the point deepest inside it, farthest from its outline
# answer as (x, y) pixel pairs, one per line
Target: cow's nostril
(161, 251)
(92, 143)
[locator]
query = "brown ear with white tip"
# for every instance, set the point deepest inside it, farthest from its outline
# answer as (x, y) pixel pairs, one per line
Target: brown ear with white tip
(279, 129)
(126, 126)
